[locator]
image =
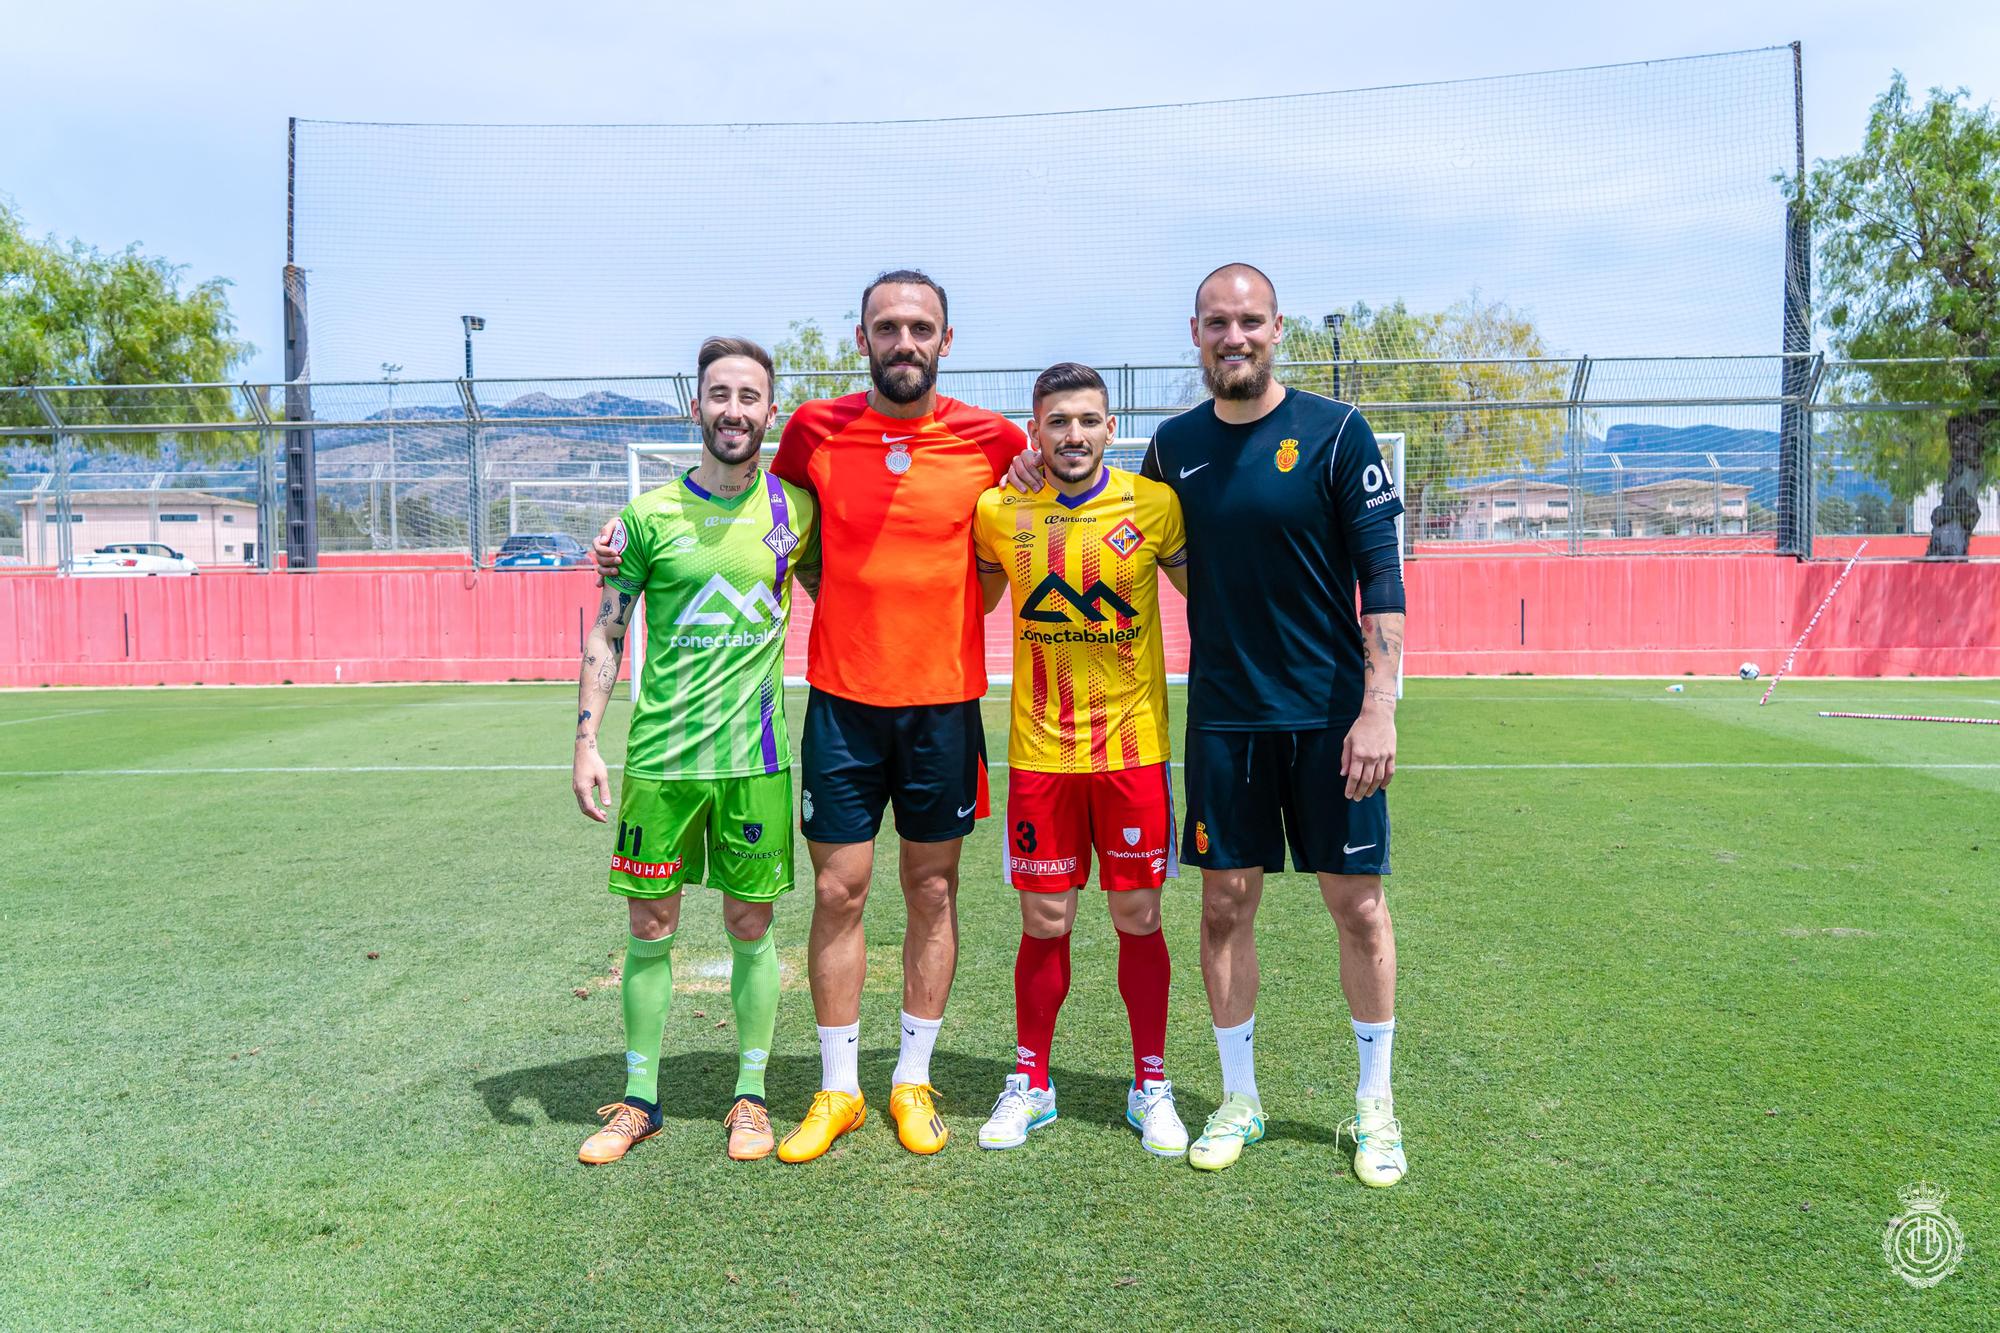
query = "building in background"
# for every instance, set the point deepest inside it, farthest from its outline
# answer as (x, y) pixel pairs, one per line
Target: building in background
(208, 529)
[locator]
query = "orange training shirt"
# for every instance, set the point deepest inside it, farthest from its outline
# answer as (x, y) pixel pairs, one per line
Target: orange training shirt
(898, 619)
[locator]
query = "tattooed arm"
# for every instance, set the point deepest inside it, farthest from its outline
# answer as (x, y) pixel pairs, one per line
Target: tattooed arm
(1368, 757)
(590, 782)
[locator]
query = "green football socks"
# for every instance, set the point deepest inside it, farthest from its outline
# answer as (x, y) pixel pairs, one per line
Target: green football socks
(753, 992)
(647, 988)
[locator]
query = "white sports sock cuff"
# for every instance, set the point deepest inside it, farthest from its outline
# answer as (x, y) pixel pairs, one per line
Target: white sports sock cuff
(911, 1020)
(1362, 1029)
(1244, 1029)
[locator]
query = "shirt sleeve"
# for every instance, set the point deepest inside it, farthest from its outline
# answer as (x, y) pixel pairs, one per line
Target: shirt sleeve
(1359, 478)
(631, 538)
(1149, 463)
(1001, 442)
(795, 447)
(1366, 502)
(984, 553)
(806, 509)
(1173, 533)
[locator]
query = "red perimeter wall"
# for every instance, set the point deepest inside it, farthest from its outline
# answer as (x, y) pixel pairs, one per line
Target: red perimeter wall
(1650, 615)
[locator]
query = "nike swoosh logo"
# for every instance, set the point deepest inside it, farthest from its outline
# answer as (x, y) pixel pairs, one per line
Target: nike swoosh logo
(896, 439)
(911, 1032)
(852, 1040)
(968, 810)
(1187, 472)
(1352, 850)
(1368, 1039)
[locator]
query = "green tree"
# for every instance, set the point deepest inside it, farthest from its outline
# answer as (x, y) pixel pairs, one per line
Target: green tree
(1836, 516)
(72, 314)
(1471, 354)
(1873, 514)
(826, 367)
(1908, 238)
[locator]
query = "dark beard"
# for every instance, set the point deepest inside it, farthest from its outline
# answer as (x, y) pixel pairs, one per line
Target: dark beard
(1250, 386)
(710, 441)
(902, 393)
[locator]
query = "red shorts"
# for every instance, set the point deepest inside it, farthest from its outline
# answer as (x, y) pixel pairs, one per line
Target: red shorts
(1055, 819)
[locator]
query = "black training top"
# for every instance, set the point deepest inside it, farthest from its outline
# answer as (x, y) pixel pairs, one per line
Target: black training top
(1280, 515)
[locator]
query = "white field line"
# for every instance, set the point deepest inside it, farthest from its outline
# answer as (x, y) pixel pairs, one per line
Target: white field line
(50, 717)
(1553, 766)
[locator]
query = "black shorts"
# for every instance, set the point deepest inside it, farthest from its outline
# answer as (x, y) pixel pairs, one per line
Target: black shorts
(1251, 794)
(928, 759)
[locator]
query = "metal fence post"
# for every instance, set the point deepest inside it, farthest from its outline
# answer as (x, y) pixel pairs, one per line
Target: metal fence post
(65, 541)
(267, 522)
(1573, 436)
(475, 526)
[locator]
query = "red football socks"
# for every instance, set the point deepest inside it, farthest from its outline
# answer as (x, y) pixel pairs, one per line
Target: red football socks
(1143, 975)
(1041, 983)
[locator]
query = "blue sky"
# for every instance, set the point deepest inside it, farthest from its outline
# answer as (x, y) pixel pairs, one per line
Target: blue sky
(166, 125)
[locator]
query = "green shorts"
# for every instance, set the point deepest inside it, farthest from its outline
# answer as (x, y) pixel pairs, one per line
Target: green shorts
(732, 834)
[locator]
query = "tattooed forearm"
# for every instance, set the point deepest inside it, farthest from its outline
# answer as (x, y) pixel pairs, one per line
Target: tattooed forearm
(602, 648)
(1381, 658)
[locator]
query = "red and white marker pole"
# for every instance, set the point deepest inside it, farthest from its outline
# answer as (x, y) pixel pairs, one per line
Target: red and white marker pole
(1810, 623)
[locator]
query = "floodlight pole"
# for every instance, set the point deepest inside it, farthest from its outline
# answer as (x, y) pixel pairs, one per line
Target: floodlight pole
(389, 372)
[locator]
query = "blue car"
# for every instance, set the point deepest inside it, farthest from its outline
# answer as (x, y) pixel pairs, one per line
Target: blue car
(541, 550)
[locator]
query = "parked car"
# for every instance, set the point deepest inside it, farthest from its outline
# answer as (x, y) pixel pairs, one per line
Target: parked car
(134, 560)
(541, 550)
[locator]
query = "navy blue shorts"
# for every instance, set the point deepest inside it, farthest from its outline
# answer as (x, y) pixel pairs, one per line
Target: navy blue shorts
(928, 760)
(1252, 794)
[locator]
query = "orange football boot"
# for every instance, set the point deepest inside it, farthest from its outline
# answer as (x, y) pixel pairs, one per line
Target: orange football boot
(831, 1115)
(750, 1137)
(627, 1125)
(918, 1125)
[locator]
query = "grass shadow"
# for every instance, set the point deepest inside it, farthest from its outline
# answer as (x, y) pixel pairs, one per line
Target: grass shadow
(696, 1085)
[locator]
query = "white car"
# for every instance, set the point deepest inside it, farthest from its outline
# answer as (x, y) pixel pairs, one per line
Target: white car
(134, 560)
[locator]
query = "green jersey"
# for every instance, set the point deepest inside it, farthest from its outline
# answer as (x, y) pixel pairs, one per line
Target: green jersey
(716, 574)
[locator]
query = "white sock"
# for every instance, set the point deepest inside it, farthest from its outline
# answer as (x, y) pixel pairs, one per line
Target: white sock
(1239, 1063)
(913, 1061)
(838, 1063)
(1375, 1040)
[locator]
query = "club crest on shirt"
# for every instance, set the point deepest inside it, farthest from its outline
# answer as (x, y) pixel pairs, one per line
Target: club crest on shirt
(1288, 455)
(898, 460)
(618, 537)
(1131, 836)
(1201, 837)
(1124, 539)
(752, 832)
(781, 539)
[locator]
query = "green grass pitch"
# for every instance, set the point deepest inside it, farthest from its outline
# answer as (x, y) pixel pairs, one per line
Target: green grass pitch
(1689, 990)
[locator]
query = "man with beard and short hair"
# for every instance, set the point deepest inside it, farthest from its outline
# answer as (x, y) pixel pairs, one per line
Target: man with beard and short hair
(1291, 731)
(897, 666)
(707, 792)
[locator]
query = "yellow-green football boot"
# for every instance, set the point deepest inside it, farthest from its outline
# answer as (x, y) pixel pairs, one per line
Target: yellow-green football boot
(1236, 1124)
(1378, 1142)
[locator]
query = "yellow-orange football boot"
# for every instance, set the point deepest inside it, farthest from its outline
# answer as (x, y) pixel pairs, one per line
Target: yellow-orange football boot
(918, 1124)
(627, 1124)
(831, 1115)
(749, 1124)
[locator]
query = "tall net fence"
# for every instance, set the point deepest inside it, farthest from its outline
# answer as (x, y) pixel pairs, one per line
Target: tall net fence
(1566, 456)
(1621, 209)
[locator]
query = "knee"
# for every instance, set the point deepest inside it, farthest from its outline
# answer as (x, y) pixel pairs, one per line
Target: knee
(1226, 907)
(653, 918)
(1135, 918)
(930, 896)
(837, 897)
(748, 922)
(1360, 909)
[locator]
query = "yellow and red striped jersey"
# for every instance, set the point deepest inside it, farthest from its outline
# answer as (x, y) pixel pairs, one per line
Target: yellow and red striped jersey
(1090, 672)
